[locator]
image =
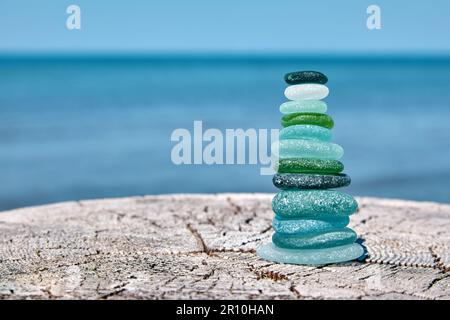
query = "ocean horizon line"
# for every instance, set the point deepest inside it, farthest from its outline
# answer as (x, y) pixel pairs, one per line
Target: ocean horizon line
(218, 57)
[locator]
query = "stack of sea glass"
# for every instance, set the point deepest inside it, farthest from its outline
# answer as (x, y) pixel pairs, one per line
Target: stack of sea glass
(310, 220)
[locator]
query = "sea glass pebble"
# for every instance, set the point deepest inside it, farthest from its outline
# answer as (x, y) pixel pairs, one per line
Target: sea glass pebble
(338, 254)
(306, 91)
(310, 181)
(313, 203)
(318, 119)
(290, 226)
(316, 106)
(305, 77)
(305, 131)
(300, 148)
(308, 165)
(333, 238)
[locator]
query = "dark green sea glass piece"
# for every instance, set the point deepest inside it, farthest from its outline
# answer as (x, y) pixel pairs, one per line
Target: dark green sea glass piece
(309, 165)
(287, 181)
(318, 119)
(305, 77)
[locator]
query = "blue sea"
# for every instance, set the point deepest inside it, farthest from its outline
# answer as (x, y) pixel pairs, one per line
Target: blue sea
(99, 126)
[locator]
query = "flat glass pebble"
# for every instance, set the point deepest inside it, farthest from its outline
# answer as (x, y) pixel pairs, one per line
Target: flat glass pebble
(318, 119)
(306, 91)
(300, 148)
(315, 106)
(313, 203)
(329, 239)
(338, 254)
(305, 77)
(305, 131)
(291, 226)
(310, 181)
(308, 165)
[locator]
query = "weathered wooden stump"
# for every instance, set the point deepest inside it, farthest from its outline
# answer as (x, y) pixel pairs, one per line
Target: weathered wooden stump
(202, 246)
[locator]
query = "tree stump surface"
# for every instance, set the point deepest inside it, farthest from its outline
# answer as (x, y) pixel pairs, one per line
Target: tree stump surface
(203, 247)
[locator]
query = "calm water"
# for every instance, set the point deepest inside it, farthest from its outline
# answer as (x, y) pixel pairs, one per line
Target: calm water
(92, 128)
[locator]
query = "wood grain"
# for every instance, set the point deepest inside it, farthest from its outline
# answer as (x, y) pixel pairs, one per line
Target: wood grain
(202, 247)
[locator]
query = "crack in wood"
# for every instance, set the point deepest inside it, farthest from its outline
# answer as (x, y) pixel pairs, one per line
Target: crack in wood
(198, 237)
(295, 291)
(436, 280)
(438, 260)
(111, 294)
(236, 208)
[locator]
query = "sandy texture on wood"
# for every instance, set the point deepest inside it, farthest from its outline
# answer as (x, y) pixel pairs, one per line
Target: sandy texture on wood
(202, 246)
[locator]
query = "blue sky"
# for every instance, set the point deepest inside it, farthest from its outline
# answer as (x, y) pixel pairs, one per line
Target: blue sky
(250, 26)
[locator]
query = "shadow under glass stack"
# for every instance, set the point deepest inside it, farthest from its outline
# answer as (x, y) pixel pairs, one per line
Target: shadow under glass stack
(310, 220)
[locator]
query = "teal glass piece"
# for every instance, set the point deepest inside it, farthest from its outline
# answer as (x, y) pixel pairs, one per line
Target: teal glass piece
(306, 131)
(293, 226)
(301, 148)
(338, 254)
(313, 203)
(329, 239)
(313, 106)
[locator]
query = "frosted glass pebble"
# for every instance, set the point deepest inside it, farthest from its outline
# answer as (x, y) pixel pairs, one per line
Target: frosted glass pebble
(291, 226)
(313, 203)
(310, 256)
(305, 131)
(302, 148)
(314, 106)
(306, 91)
(329, 239)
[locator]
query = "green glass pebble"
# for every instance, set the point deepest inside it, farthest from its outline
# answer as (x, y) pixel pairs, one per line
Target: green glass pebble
(292, 226)
(287, 181)
(305, 77)
(308, 165)
(338, 254)
(313, 106)
(318, 119)
(313, 204)
(305, 131)
(300, 148)
(333, 238)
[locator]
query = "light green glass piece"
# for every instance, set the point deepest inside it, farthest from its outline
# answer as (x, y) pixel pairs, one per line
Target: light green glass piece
(313, 204)
(338, 254)
(314, 106)
(306, 131)
(318, 119)
(302, 148)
